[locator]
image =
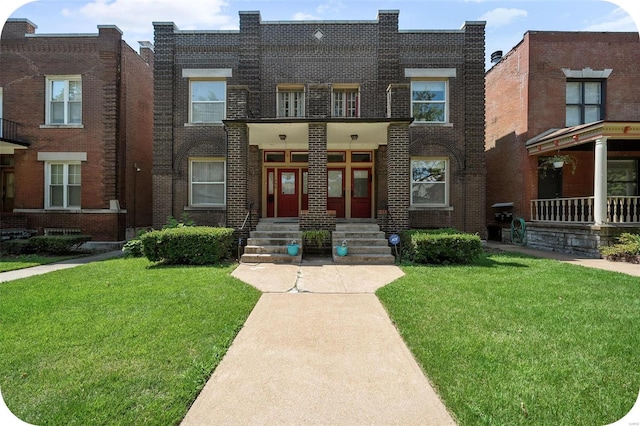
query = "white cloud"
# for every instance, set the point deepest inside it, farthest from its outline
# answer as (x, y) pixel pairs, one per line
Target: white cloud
(501, 16)
(128, 14)
(618, 20)
(301, 16)
(331, 5)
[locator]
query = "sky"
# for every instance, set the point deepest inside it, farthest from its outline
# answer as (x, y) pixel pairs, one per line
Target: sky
(507, 21)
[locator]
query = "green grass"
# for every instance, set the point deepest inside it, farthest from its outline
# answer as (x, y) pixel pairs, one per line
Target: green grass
(11, 263)
(116, 342)
(515, 340)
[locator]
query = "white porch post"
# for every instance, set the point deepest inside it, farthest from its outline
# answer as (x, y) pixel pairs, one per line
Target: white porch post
(600, 182)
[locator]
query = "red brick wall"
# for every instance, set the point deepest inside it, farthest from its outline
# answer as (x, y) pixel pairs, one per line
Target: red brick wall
(115, 128)
(525, 96)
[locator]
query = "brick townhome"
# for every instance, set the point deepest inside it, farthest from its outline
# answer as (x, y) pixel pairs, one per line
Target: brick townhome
(322, 121)
(76, 141)
(565, 93)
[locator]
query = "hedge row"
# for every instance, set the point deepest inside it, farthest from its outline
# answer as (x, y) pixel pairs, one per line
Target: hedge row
(189, 245)
(440, 246)
(58, 244)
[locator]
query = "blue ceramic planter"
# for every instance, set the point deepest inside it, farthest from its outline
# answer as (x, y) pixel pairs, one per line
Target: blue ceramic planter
(342, 250)
(292, 249)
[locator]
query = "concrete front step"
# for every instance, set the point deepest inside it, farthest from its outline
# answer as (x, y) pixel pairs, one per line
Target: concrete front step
(260, 249)
(364, 259)
(266, 241)
(357, 226)
(270, 258)
(275, 226)
(339, 236)
(357, 249)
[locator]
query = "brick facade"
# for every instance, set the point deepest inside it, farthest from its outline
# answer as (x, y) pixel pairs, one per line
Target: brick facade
(317, 57)
(526, 96)
(114, 139)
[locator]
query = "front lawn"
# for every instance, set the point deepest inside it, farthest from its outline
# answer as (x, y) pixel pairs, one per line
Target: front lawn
(116, 342)
(518, 340)
(11, 263)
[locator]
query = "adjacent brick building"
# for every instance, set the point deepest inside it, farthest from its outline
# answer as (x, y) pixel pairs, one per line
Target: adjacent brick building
(320, 121)
(77, 132)
(565, 93)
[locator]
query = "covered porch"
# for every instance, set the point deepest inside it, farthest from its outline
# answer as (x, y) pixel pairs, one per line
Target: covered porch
(591, 209)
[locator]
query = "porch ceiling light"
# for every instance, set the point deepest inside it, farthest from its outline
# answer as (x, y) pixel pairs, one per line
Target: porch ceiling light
(283, 137)
(354, 137)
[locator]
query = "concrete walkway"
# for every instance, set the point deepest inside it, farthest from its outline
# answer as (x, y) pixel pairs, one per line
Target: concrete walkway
(65, 264)
(318, 348)
(622, 267)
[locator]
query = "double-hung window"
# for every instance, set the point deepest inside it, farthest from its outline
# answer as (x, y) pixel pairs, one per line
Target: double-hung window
(64, 100)
(291, 102)
(207, 101)
(62, 185)
(429, 101)
(584, 102)
(622, 177)
(429, 182)
(207, 182)
(346, 103)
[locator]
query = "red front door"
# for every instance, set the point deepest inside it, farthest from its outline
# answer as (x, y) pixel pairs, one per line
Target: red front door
(335, 191)
(360, 193)
(288, 192)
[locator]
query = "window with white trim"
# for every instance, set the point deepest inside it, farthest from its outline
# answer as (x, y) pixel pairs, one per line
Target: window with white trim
(429, 101)
(62, 185)
(291, 102)
(207, 101)
(64, 100)
(207, 180)
(346, 103)
(429, 182)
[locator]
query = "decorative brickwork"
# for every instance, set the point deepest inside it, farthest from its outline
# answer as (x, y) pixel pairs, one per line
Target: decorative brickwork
(318, 56)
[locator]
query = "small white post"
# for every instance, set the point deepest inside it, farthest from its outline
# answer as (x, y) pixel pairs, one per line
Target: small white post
(600, 182)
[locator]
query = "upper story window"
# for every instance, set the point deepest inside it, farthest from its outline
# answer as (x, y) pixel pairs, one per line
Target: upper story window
(62, 185)
(64, 100)
(208, 101)
(207, 94)
(207, 182)
(584, 102)
(346, 102)
(429, 182)
(291, 101)
(430, 94)
(429, 101)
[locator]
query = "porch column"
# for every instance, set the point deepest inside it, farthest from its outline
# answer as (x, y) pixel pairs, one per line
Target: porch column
(600, 182)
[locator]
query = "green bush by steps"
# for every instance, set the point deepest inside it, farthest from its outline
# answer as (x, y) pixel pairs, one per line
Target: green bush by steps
(189, 245)
(440, 246)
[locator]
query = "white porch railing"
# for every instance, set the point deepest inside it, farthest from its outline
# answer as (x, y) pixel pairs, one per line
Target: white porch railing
(580, 210)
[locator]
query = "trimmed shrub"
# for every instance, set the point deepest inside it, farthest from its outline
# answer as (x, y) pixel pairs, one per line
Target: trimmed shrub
(56, 244)
(189, 245)
(440, 246)
(627, 248)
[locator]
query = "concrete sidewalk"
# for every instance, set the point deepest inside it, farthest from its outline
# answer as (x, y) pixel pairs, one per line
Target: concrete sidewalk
(65, 264)
(622, 267)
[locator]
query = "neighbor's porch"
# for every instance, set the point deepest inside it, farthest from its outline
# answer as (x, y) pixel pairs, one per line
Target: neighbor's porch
(581, 224)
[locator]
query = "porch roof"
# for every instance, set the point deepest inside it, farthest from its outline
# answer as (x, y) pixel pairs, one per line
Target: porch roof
(342, 133)
(9, 146)
(554, 139)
